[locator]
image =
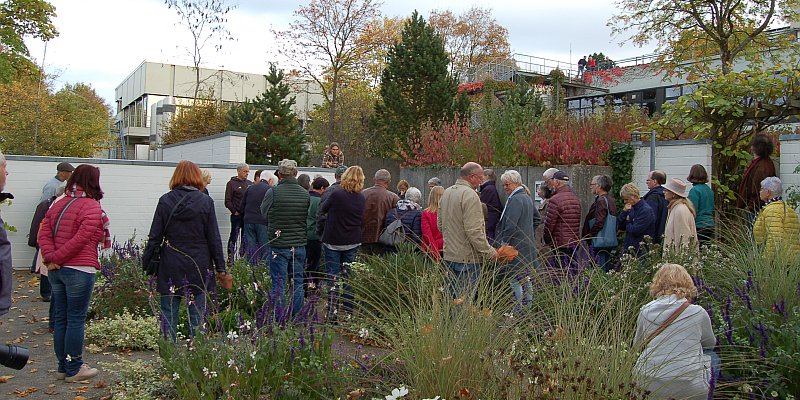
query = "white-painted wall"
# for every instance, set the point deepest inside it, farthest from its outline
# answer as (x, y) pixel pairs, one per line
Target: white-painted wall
(790, 159)
(132, 190)
(675, 158)
(222, 148)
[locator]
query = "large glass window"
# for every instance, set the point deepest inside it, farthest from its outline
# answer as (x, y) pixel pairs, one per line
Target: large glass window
(672, 92)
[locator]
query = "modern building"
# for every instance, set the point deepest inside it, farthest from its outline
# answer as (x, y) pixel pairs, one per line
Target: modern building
(151, 94)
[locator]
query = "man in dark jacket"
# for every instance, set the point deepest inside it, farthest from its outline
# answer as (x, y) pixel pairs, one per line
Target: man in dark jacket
(490, 197)
(379, 201)
(657, 202)
(234, 191)
(285, 207)
(562, 226)
(6, 285)
(321, 218)
(637, 220)
(255, 225)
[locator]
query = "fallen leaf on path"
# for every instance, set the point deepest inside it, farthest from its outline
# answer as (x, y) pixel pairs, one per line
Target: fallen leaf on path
(100, 385)
(33, 371)
(4, 379)
(51, 392)
(21, 393)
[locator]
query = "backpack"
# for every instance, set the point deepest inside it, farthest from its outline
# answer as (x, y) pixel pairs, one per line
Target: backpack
(394, 234)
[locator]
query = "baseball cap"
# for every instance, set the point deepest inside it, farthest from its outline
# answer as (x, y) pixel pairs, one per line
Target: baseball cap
(340, 170)
(65, 167)
(287, 167)
(561, 175)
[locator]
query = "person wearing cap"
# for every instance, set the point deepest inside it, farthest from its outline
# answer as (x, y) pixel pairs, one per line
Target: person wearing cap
(321, 217)
(680, 229)
(64, 170)
(234, 191)
(657, 201)
(379, 201)
(285, 207)
(333, 157)
(562, 227)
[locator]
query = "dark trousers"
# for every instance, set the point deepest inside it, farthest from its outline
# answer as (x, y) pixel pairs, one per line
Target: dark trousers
(705, 235)
(237, 233)
(313, 257)
(564, 259)
(371, 249)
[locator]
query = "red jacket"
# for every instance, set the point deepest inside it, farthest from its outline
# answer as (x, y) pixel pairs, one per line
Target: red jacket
(562, 225)
(432, 241)
(78, 236)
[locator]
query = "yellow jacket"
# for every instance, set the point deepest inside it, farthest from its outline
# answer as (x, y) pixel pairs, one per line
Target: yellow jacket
(777, 231)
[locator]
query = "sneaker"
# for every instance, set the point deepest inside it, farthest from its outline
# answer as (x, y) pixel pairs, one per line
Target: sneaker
(82, 375)
(61, 375)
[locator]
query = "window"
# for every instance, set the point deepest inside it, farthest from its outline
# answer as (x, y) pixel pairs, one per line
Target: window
(673, 92)
(649, 94)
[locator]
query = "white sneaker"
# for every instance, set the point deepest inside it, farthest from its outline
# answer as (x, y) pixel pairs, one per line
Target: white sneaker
(82, 375)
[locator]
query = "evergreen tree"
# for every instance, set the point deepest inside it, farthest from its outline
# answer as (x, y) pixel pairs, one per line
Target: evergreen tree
(270, 124)
(415, 88)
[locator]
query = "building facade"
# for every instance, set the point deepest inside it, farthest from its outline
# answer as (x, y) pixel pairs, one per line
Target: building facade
(151, 94)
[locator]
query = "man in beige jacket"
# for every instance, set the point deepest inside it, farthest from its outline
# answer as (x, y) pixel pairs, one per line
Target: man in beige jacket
(460, 219)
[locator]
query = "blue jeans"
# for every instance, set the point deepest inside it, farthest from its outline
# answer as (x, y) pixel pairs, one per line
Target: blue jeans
(716, 363)
(462, 281)
(257, 240)
(516, 286)
(170, 308)
(334, 270)
(72, 290)
(603, 258)
(283, 262)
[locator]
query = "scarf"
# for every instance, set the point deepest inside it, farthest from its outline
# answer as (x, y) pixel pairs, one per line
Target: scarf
(407, 205)
(77, 191)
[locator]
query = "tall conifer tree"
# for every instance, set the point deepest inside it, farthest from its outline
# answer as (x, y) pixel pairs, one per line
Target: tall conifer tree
(270, 124)
(416, 88)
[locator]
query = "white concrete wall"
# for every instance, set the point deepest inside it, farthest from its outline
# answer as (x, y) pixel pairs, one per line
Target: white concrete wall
(674, 157)
(132, 190)
(789, 160)
(222, 148)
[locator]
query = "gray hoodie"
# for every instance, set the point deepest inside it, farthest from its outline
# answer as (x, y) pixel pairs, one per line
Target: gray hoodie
(673, 364)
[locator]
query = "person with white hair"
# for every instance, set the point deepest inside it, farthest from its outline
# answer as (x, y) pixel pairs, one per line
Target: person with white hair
(433, 182)
(777, 227)
(379, 201)
(548, 177)
(409, 212)
(6, 283)
(234, 191)
(516, 228)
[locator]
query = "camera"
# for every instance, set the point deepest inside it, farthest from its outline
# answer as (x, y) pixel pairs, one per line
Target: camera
(14, 356)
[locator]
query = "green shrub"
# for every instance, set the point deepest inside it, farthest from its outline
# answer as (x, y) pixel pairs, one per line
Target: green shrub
(138, 379)
(125, 331)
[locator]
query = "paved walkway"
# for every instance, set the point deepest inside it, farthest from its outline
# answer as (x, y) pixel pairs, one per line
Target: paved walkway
(25, 325)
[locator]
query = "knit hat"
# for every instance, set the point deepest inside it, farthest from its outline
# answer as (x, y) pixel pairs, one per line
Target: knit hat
(287, 167)
(677, 186)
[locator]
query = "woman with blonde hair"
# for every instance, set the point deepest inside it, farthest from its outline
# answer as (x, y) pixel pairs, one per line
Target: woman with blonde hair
(432, 241)
(186, 221)
(677, 360)
(402, 187)
(637, 219)
(342, 235)
(680, 229)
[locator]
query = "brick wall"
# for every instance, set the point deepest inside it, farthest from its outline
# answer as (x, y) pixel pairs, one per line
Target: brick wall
(674, 157)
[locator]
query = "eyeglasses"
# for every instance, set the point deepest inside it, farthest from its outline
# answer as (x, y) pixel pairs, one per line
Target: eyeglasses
(592, 184)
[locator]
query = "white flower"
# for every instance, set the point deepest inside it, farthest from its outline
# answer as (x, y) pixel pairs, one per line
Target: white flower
(69, 357)
(230, 363)
(232, 335)
(397, 393)
(363, 333)
(175, 376)
(253, 355)
(213, 374)
(435, 398)
(172, 289)
(205, 371)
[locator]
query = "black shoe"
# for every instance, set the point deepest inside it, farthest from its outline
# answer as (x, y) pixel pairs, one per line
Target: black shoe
(46, 299)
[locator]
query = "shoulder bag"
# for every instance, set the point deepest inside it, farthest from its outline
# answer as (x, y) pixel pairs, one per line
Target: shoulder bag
(53, 266)
(666, 323)
(394, 234)
(607, 237)
(152, 267)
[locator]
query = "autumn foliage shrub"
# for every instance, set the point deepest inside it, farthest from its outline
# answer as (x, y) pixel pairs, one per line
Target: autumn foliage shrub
(556, 138)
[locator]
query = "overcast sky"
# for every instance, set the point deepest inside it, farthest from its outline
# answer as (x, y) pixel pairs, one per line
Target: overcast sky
(101, 42)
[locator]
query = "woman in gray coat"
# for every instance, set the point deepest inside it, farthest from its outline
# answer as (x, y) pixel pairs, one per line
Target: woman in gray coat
(515, 228)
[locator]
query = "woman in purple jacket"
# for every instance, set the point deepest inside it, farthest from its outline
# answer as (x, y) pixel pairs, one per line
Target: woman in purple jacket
(490, 197)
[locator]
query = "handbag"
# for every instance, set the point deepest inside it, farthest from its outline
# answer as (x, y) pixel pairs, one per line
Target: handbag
(53, 266)
(152, 267)
(607, 237)
(394, 234)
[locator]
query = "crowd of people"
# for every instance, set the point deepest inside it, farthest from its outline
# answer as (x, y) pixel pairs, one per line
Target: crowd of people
(307, 231)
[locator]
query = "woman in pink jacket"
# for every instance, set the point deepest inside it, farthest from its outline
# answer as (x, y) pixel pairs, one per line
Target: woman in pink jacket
(432, 242)
(69, 237)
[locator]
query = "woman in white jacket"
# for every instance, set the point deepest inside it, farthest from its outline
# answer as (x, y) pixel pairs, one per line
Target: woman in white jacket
(680, 228)
(677, 356)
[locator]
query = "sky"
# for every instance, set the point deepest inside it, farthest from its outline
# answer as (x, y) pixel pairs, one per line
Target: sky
(101, 42)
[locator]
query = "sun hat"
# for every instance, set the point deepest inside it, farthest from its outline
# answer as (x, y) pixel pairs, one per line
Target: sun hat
(677, 186)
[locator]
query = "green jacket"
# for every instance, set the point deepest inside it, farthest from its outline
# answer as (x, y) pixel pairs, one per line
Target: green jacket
(286, 207)
(311, 220)
(703, 199)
